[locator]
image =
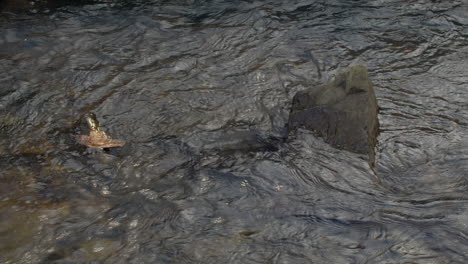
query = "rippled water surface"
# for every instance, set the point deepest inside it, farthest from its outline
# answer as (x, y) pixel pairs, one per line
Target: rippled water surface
(201, 92)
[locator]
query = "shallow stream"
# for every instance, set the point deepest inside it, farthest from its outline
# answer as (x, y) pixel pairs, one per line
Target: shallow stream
(201, 92)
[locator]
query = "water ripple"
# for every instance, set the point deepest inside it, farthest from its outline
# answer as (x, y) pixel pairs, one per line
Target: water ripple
(201, 92)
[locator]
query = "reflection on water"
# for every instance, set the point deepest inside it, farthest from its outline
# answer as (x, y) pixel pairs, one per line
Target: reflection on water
(201, 92)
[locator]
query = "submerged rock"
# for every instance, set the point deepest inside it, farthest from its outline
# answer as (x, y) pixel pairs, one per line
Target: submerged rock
(98, 249)
(343, 112)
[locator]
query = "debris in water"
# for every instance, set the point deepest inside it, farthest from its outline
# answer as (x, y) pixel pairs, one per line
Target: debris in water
(97, 138)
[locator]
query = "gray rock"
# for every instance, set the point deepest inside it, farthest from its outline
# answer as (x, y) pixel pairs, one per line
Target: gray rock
(343, 112)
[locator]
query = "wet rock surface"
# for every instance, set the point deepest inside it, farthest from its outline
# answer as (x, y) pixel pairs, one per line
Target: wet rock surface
(343, 112)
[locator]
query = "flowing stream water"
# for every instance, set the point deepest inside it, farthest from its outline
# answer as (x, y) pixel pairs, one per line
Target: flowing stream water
(201, 91)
